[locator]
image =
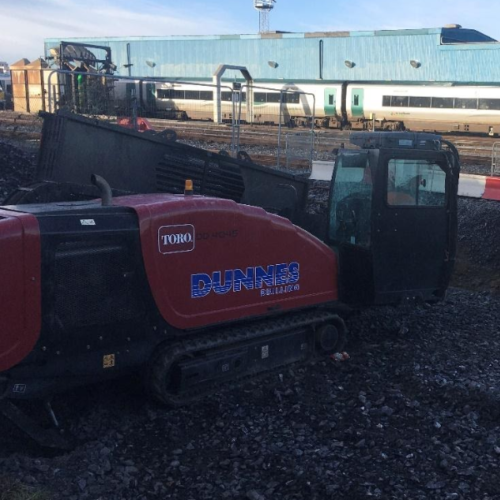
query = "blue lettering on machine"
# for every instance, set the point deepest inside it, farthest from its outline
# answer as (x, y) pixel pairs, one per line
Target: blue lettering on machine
(275, 279)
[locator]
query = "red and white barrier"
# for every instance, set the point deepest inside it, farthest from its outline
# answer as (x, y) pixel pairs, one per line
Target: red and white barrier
(479, 186)
(469, 185)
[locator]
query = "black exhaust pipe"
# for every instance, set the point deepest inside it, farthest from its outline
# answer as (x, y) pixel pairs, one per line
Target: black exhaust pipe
(104, 188)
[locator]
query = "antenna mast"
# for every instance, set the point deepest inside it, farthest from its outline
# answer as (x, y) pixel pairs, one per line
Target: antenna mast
(264, 7)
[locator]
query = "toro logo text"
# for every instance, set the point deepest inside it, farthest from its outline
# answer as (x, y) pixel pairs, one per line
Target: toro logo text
(176, 239)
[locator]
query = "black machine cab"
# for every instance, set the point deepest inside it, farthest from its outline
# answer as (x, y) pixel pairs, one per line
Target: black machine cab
(393, 217)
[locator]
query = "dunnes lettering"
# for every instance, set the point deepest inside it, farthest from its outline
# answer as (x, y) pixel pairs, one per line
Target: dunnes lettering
(251, 278)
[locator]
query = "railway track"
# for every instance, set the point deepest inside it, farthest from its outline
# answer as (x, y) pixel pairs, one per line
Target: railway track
(473, 149)
(470, 146)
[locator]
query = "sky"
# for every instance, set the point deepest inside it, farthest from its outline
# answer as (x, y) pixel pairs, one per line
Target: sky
(26, 23)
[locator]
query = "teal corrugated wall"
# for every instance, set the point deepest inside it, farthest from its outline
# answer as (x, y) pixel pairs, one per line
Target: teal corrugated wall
(377, 56)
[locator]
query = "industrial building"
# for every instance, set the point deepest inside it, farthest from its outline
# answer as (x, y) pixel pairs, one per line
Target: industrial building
(449, 54)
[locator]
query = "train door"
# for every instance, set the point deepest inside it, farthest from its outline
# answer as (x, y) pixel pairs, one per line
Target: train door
(330, 102)
(131, 96)
(151, 97)
(357, 103)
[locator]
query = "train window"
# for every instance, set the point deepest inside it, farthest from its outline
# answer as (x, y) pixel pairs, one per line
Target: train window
(399, 101)
(420, 102)
(192, 94)
(355, 100)
(386, 101)
(178, 94)
(415, 183)
(273, 97)
(260, 97)
(330, 100)
(226, 96)
(442, 102)
(291, 98)
(489, 103)
(164, 93)
(461, 103)
(206, 95)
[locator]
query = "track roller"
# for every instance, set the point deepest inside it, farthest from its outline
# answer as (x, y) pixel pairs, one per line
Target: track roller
(331, 338)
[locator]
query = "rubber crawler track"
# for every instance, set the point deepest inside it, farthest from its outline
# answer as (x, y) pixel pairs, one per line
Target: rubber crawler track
(167, 354)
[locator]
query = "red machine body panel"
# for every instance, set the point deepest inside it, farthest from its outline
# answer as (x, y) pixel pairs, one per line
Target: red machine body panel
(20, 286)
(212, 261)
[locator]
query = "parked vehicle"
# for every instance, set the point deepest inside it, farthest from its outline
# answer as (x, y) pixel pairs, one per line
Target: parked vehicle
(195, 291)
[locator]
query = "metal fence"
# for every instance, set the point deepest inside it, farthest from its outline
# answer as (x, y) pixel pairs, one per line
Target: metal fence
(288, 108)
(299, 150)
(106, 95)
(495, 158)
(126, 100)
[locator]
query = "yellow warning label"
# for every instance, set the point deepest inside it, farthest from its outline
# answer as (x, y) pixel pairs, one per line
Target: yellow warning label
(108, 361)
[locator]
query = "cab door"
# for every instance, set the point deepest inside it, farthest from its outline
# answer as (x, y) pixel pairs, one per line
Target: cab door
(393, 223)
(414, 225)
(350, 222)
(357, 97)
(330, 102)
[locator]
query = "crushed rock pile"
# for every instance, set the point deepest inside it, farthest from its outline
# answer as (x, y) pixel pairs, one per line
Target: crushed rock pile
(413, 414)
(479, 231)
(17, 167)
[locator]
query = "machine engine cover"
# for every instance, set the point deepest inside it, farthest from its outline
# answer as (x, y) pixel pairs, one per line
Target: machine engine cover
(211, 261)
(20, 296)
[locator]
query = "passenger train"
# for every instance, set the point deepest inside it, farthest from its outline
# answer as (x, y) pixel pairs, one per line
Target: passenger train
(345, 105)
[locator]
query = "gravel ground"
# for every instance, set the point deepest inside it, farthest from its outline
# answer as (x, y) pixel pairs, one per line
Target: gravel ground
(254, 151)
(413, 414)
(16, 167)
